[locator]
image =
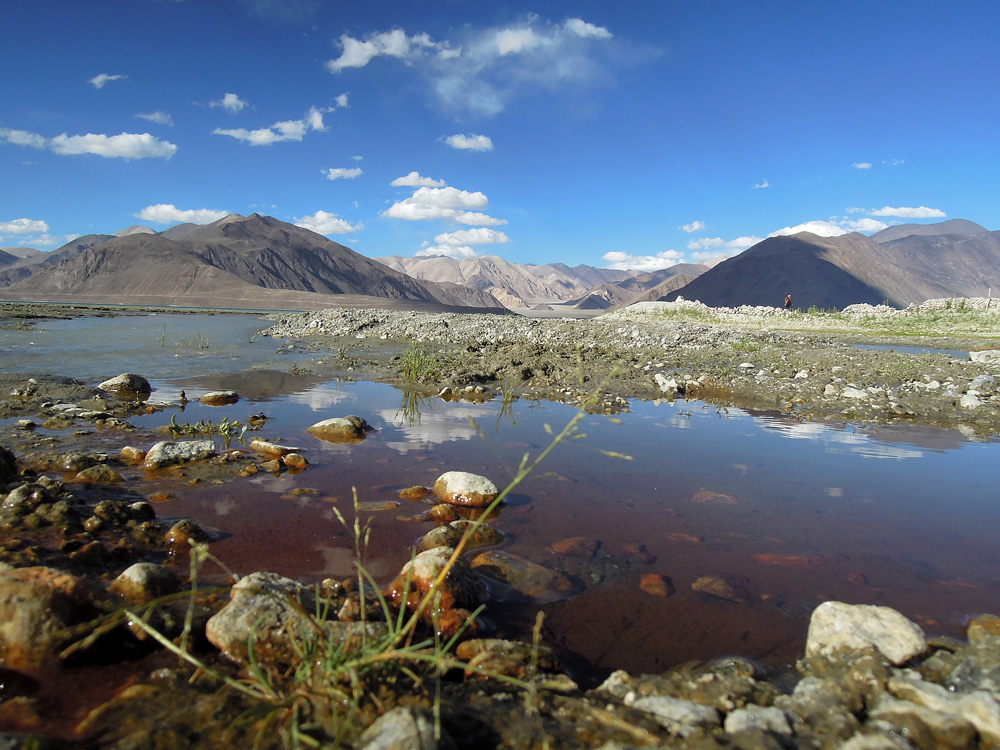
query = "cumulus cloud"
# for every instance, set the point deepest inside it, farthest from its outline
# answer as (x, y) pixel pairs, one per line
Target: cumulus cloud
(906, 212)
(694, 226)
(477, 236)
(161, 118)
(470, 142)
(413, 179)
(101, 80)
(339, 173)
(231, 103)
(444, 203)
(862, 165)
(287, 130)
(762, 184)
(23, 226)
(458, 252)
(484, 68)
(168, 213)
(122, 146)
(621, 261)
(23, 138)
(323, 222)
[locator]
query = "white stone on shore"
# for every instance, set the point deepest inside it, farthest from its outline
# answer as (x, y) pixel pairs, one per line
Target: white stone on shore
(835, 625)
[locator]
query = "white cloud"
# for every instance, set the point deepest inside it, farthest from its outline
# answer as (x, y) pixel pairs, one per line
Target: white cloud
(470, 142)
(23, 138)
(323, 222)
(484, 68)
(694, 226)
(620, 261)
(23, 226)
(231, 103)
(123, 146)
(342, 101)
(862, 165)
(477, 236)
(818, 227)
(339, 173)
(762, 184)
(99, 81)
(894, 162)
(583, 29)
(168, 213)
(458, 252)
(161, 118)
(731, 247)
(864, 225)
(905, 212)
(447, 203)
(287, 130)
(413, 179)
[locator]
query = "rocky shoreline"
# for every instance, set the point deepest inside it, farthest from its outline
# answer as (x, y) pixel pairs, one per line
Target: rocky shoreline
(77, 546)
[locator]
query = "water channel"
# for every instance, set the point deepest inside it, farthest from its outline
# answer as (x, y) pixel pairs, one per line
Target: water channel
(788, 513)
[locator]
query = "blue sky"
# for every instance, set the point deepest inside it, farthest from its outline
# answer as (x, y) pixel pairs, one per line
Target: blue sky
(634, 134)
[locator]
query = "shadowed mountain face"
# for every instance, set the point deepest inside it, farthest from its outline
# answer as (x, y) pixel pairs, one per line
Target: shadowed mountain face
(229, 259)
(952, 226)
(839, 271)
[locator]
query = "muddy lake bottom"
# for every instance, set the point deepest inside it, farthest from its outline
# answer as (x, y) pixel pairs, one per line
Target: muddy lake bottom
(791, 513)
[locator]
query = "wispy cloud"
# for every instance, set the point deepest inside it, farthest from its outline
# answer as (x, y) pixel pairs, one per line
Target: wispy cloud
(340, 173)
(481, 70)
(470, 142)
(160, 118)
(762, 184)
(862, 165)
(323, 222)
(122, 146)
(906, 212)
(287, 130)
(103, 79)
(231, 103)
(168, 213)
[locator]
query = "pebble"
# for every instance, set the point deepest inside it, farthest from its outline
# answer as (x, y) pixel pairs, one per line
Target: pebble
(464, 488)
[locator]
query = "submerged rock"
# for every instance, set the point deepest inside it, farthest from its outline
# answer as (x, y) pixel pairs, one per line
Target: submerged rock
(534, 581)
(463, 488)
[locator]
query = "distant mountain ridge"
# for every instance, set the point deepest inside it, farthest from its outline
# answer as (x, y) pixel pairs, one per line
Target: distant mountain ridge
(833, 272)
(236, 261)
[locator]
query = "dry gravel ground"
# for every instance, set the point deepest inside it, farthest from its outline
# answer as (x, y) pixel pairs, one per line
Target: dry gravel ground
(806, 364)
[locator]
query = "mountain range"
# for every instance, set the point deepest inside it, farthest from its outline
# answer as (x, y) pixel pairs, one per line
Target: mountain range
(252, 261)
(902, 265)
(259, 262)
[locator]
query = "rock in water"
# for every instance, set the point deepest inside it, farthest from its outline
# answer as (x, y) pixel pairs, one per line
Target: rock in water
(127, 382)
(220, 398)
(463, 488)
(166, 452)
(835, 625)
(349, 429)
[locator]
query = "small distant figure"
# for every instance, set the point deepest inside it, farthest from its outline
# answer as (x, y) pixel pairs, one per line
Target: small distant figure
(788, 302)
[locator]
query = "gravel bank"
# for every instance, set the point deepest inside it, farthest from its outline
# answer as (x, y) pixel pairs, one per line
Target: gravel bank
(745, 357)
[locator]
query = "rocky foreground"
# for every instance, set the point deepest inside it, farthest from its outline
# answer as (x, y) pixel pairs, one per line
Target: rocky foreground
(92, 582)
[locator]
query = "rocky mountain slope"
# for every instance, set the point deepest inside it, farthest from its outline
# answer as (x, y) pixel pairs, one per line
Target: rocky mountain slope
(908, 267)
(238, 261)
(517, 285)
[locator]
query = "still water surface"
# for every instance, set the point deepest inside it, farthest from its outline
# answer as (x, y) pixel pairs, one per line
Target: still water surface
(792, 513)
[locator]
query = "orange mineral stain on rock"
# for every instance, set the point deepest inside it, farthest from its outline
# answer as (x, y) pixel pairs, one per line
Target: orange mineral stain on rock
(576, 546)
(657, 585)
(797, 561)
(711, 496)
(680, 536)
